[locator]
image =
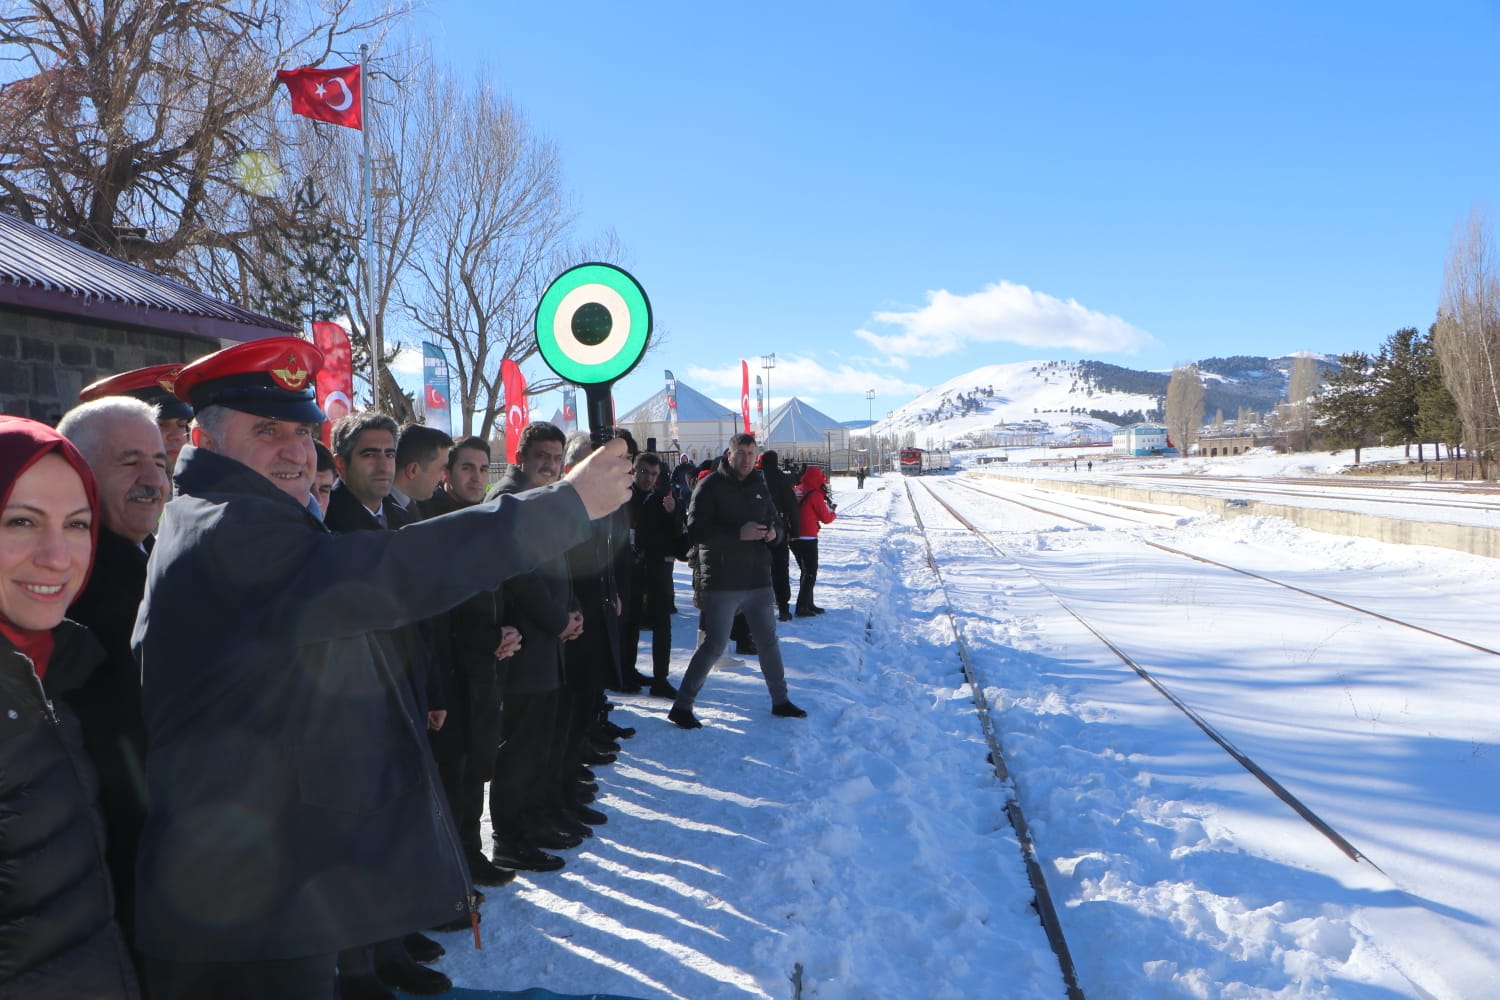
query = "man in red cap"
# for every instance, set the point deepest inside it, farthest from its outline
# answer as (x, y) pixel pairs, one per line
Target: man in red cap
(152, 385)
(292, 794)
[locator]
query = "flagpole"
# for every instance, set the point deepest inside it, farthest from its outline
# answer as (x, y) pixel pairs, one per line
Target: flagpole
(376, 347)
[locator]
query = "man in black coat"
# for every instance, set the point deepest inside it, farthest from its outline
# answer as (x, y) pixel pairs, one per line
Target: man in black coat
(527, 791)
(785, 498)
(120, 439)
(656, 524)
(734, 524)
(291, 790)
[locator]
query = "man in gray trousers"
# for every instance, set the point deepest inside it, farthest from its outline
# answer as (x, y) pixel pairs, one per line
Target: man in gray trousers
(734, 524)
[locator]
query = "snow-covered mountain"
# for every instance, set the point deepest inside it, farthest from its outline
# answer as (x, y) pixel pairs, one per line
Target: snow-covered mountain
(1027, 402)
(1074, 402)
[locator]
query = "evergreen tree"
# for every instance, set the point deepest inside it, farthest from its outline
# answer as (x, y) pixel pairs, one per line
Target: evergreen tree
(1345, 410)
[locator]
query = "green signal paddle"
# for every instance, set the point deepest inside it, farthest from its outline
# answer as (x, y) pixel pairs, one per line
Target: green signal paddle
(592, 326)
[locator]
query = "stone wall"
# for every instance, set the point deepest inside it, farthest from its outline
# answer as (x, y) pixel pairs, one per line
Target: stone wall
(45, 360)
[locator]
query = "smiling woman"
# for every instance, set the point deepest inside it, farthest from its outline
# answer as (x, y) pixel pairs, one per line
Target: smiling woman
(59, 936)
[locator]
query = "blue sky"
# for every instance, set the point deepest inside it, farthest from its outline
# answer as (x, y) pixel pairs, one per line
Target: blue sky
(886, 195)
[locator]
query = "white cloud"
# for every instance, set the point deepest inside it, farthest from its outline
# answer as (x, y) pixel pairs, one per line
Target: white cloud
(1001, 313)
(804, 378)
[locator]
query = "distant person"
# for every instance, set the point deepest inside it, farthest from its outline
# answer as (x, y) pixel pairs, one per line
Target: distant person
(784, 496)
(813, 511)
(733, 523)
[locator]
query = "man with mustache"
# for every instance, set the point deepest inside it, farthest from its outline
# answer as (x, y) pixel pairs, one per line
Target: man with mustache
(120, 439)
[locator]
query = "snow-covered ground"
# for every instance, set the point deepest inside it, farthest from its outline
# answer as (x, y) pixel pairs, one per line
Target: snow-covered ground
(865, 852)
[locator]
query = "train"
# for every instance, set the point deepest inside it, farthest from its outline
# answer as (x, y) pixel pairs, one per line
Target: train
(921, 461)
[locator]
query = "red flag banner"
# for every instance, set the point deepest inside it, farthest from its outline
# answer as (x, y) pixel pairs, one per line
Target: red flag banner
(745, 394)
(327, 95)
(517, 411)
(336, 378)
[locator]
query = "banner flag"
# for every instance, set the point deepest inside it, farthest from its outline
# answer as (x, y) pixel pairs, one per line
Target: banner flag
(672, 409)
(336, 379)
(325, 95)
(745, 394)
(760, 402)
(570, 409)
(517, 410)
(435, 388)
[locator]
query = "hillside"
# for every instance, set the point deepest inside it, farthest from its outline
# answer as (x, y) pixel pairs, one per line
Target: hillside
(1067, 402)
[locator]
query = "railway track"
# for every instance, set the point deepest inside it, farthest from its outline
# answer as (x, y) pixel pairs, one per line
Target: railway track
(1223, 742)
(1051, 511)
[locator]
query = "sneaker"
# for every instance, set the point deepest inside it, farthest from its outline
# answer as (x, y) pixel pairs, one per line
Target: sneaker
(787, 710)
(525, 858)
(663, 689)
(683, 718)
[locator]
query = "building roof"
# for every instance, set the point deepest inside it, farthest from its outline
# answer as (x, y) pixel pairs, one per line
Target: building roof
(795, 421)
(692, 405)
(42, 272)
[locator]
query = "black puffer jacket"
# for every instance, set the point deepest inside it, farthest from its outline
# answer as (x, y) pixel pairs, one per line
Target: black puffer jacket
(721, 506)
(58, 938)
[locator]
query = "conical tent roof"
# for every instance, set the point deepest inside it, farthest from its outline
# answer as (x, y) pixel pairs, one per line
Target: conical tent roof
(691, 405)
(795, 421)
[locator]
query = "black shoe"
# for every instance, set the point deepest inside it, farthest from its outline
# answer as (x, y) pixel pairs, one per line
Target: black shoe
(784, 615)
(424, 949)
(633, 682)
(484, 873)
(567, 820)
(552, 838)
(586, 788)
(366, 986)
(818, 611)
(587, 816)
(663, 689)
(683, 718)
(599, 759)
(746, 647)
(788, 711)
(525, 858)
(614, 732)
(410, 977)
(595, 744)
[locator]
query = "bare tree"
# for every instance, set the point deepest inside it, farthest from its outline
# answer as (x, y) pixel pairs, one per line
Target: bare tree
(1184, 407)
(495, 235)
(139, 128)
(1466, 337)
(1302, 385)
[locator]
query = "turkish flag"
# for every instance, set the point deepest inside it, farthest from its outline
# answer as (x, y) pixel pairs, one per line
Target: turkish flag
(336, 378)
(745, 393)
(328, 95)
(517, 412)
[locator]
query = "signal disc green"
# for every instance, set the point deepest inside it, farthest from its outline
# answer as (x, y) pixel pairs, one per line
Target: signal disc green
(592, 324)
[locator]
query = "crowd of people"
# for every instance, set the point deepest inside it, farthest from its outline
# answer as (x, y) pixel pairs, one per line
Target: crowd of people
(257, 688)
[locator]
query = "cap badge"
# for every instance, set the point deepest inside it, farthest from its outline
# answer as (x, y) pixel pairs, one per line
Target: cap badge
(292, 376)
(168, 379)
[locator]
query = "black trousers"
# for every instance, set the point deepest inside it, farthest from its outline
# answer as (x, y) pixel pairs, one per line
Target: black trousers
(781, 575)
(806, 551)
(656, 611)
(292, 978)
(522, 787)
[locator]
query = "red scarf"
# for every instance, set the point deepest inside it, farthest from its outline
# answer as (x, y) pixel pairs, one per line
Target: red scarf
(36, 646)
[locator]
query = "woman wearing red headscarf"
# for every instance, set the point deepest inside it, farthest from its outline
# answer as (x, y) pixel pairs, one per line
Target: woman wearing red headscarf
(58, 938)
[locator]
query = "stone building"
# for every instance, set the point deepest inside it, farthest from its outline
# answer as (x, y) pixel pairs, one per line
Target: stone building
(70, 316)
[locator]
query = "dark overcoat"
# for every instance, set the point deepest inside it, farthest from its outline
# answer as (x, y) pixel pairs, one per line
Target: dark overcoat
(295, 810)
(58, 937)
(721, 506)
(538, 604)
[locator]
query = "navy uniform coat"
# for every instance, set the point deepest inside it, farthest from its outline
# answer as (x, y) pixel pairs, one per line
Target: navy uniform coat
(295, 810)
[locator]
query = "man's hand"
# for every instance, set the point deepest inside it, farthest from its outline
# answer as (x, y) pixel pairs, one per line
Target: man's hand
(754, 531)
(436, 718)
(574, 627)
(603, 479)
(510, 641)
(669, 503)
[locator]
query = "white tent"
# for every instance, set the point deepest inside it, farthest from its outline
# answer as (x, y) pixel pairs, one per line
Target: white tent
(704, 427)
